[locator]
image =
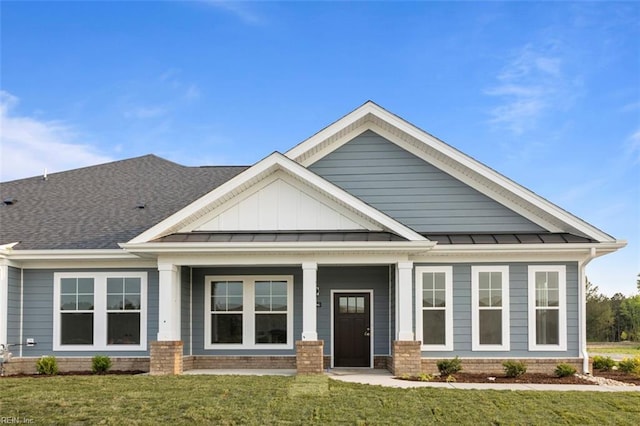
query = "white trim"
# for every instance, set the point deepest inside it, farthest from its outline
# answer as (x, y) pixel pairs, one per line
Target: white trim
(475, 308)
(404, 296)
(461, 166)
(248, 312)
(371, 325)
(4, 303)
(562, 307)
(100, 311)
(254, 174)
(448, 271)
(21, 310)
(309, 301)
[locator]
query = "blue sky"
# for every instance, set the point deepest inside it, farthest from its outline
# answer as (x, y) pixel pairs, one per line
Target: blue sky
(547, 93)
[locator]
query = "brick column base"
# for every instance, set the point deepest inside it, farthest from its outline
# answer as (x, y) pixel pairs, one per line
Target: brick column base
(309, 358)
(405, 359)
(166, 358)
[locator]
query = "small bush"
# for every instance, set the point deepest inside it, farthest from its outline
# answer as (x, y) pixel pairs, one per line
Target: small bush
(630, 365)
(565, 370)
(424, 377)
(605, 363)
(100, 364)
(447, 367)
(47, 365)
(514, 368)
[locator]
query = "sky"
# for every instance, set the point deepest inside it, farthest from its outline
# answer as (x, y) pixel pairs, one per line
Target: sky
(546, 93)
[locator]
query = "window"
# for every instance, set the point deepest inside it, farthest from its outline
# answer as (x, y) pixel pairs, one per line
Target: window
(100, 311)
(490, 304)
(547, 308)
(434, 307)
(249, 312)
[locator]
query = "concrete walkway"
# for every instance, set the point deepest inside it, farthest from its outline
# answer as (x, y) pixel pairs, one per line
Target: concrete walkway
(384, 378)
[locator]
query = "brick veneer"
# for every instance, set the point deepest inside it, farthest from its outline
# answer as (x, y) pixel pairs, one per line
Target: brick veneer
(309, 359)
(27, 365)
(494, 366)
(166, 358)
(405, 358)
(239, 362)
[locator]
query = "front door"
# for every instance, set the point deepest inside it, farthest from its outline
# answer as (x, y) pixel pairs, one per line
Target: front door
(352, 330)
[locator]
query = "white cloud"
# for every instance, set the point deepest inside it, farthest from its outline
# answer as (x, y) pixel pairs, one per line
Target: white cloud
(29, 145)
(531, 84)
(242, 10)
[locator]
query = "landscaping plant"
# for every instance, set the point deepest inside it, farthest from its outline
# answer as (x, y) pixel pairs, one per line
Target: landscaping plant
(100, 364)
(514, 368)
(447, 367)
(47, 365)
(605, 363)
(630, 365)
(565, 370)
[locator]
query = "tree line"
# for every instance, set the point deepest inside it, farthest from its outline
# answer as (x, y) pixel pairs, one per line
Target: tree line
(612, 319)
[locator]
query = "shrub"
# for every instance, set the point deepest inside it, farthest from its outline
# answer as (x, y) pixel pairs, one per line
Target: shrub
(447, 367)
(514, 368)
(424, 377)
(565, 370)
(47, 365)
(630, 365)
(605, 363)
(100, 364)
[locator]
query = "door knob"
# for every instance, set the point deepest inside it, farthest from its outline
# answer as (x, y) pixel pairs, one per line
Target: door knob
(367, 332)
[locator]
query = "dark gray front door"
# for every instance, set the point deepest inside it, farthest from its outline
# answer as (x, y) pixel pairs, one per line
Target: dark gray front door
(352, 330)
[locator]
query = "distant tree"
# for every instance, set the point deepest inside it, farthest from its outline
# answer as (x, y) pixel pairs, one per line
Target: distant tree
(600, 318)
(630, 311)
(638, 283)
(619, 322)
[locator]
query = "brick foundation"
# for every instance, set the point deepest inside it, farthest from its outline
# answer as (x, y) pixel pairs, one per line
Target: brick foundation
(166, 358)
(221, 362)
(309, 359)
(27, 365)
(405, 358)
(494, 366)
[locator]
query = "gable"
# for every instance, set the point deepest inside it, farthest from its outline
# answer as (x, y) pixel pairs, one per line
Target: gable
(414, 192)
(281, 204)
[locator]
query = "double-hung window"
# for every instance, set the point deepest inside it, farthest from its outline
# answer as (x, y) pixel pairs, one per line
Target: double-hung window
(547, 308)
(254, 312)
(434, 307)
(490, 304)
(99, 311)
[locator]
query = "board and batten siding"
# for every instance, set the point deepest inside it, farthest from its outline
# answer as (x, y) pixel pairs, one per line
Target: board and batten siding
(38, 312)
(518, 299)
(13, 309)
(198, 277)
(374, 278)
(412, 191)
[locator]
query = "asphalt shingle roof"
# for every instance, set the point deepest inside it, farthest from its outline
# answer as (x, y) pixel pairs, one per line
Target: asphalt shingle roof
(97, 207)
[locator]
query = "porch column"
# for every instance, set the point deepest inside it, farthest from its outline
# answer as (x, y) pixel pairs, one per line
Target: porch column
(309, 301)
(404, 300)
(166, 354)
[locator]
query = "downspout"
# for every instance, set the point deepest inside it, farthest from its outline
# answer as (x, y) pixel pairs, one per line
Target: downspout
(582, 308)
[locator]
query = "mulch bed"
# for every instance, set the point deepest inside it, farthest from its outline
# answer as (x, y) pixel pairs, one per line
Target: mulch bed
(618, 375)
(82, 373)
(527, 378)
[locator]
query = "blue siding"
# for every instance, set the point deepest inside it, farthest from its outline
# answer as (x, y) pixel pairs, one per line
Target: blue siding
(38, 312)
(198, 307)
(185, 308)
(414, 192)
(518, 299)
(374, 278)
(13, 308)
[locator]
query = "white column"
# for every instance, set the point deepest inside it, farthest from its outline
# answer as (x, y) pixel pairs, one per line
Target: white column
(404, 300)
(169, 306)
(4, 298)
(309, 301)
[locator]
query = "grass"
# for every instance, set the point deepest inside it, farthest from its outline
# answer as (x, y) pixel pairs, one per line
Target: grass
(294, 400)
(623, 348)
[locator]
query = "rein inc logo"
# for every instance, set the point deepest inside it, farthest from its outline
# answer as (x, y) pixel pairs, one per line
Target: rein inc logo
(16, 420)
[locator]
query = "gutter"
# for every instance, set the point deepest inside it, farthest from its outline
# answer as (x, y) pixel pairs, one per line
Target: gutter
(582, 308)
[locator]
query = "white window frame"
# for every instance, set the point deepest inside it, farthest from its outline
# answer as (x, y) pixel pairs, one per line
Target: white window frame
(562, 307)
(448, 316)
(475, 308)
(100, 312)
(248, 312)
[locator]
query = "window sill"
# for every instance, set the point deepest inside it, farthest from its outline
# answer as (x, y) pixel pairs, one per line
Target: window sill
(248, 347)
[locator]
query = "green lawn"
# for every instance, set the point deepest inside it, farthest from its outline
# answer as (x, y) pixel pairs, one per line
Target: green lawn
(293, 400)
(626, 348)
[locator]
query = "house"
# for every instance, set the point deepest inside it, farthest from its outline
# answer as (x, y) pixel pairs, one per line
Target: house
(371, 244)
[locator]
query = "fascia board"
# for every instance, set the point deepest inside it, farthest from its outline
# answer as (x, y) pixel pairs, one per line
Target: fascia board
(481, 249)
(266, 166)
(107, 254)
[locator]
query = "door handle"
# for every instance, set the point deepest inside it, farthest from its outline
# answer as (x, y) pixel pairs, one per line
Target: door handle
(367, 332)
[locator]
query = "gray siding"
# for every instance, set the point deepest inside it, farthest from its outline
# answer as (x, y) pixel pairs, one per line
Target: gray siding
(13, 309)
(185, 308)
(374, 278)
(198, 307)
(414, 192)
(38, 312)
(518, 299)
